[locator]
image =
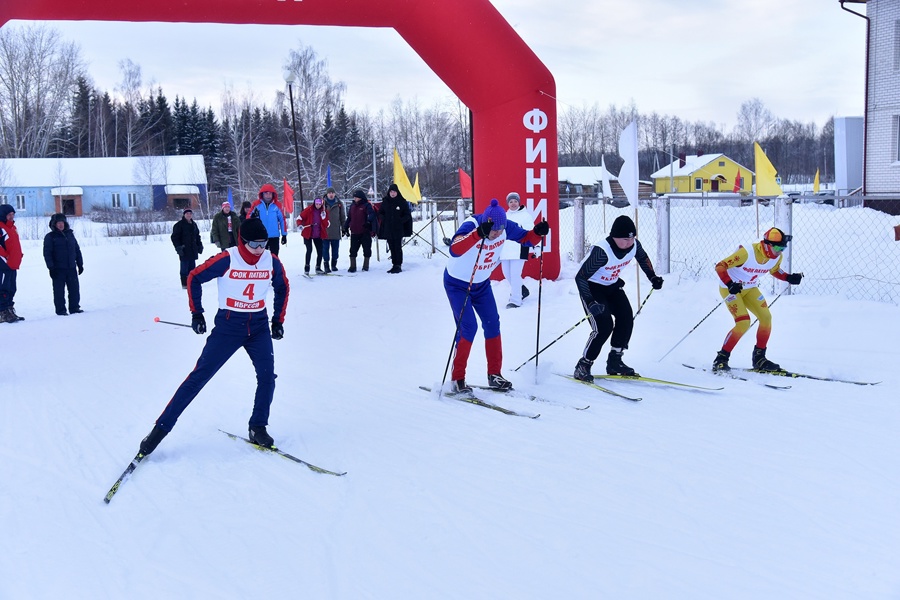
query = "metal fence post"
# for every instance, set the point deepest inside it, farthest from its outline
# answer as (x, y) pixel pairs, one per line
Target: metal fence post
(578, 248)
(461, 211)
(663, 237)
(784, 221)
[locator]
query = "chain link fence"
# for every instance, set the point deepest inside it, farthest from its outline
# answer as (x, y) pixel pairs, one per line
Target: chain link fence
(844, 245)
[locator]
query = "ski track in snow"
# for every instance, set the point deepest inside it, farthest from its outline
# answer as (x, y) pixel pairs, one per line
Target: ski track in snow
(744, 493)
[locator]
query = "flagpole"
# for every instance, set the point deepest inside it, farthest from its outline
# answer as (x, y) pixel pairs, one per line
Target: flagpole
(289, 78)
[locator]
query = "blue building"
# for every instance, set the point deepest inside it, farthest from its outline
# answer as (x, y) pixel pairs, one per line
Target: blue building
(76, 186)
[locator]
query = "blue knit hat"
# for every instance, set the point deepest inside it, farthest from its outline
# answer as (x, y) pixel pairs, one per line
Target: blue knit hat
(496, 214)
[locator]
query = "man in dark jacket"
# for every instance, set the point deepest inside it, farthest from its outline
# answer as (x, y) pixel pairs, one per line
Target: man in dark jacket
(63, 258)
(361, 226)
(186, 239)
(397, 219)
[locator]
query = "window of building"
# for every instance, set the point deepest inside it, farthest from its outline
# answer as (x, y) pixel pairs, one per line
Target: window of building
(721, 163)
(3, 199)
(896, 137)
(132, 200)
(116, 201)
(698, 183)
(20, 202)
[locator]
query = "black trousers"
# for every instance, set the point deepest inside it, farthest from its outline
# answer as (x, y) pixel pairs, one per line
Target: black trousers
(395, 246)
(617, 319)
(274, 245)
(62, 279)
(361, 239)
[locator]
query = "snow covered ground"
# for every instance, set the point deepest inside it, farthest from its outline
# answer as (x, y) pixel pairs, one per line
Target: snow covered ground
(747, 492)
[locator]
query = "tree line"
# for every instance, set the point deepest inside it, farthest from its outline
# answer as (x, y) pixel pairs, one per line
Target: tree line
(49, 107)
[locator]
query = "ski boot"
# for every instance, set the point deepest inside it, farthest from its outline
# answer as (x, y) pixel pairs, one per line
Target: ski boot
(260, 437)
(761, 363)
(365, 266)
(720, 363)
(499, 383)
(149, 443)
(615, 366)
(461, 387)
(583, 370)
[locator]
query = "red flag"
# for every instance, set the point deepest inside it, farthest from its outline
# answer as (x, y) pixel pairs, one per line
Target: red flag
(465, 184)
(288, 196)
(737, 182)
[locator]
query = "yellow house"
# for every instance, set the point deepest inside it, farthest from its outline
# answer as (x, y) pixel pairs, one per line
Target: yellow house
(701, 174)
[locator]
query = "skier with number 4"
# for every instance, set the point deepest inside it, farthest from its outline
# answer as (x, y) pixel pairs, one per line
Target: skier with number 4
(244, 273)
(739, 287)
(604, 299)
(474, 254)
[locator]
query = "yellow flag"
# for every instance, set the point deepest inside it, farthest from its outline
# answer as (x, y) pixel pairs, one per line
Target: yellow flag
(417, 194)
(816, 183)
(401, 179)
(766, 184)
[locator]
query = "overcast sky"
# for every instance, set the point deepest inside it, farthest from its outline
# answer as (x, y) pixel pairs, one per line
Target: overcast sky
(696, 59)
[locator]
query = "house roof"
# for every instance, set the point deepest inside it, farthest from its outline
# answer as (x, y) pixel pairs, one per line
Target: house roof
(583, 175)
(692, 164)
(89, 172)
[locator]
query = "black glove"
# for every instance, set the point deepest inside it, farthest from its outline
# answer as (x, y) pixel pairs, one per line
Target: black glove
(180, 251)
(284, 240)
(596, 308)
(735, 287)
(656, 281)
(794, 278)
(346, 232)
(277, 329)
(542, 228)
(620, 283)
(484, 229)
(80, 269)
(198, 323)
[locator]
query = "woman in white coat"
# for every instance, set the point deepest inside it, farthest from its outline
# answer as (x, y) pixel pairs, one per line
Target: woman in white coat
(514, 255)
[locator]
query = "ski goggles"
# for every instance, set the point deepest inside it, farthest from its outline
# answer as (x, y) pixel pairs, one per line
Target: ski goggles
(256, 245)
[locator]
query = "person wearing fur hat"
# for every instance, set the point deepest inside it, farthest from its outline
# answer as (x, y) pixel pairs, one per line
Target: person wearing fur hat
(739, 287)
(245, 274)
(64, 261)
(223, 232)
(397, 220)
(186, 239)
(336, 217)
(272, 215)
(10, 261)
(605, 302)
(313, 224)
(475, 252)
(514, 255)
(361, 226)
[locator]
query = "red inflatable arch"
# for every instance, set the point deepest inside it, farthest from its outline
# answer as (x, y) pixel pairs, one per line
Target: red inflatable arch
(467, 43)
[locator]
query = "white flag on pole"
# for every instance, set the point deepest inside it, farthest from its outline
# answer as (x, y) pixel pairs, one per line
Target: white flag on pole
(607, 191)
(628, 175)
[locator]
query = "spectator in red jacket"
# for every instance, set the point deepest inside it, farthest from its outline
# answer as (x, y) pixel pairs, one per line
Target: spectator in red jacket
(313, 224)
(10, 261)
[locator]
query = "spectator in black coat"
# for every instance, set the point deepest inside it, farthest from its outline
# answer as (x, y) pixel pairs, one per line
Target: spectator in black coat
(63, 258)
(361, 226)
(186, 239)
(397, 219)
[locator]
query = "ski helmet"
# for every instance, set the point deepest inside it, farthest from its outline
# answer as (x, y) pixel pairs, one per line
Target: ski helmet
(776, 237)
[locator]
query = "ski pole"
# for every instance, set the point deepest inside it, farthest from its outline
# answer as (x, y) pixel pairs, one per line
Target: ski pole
(459, 316)
(537, 337)
(641, 307)
(690, 332)
(156, 320)
(553, 342)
